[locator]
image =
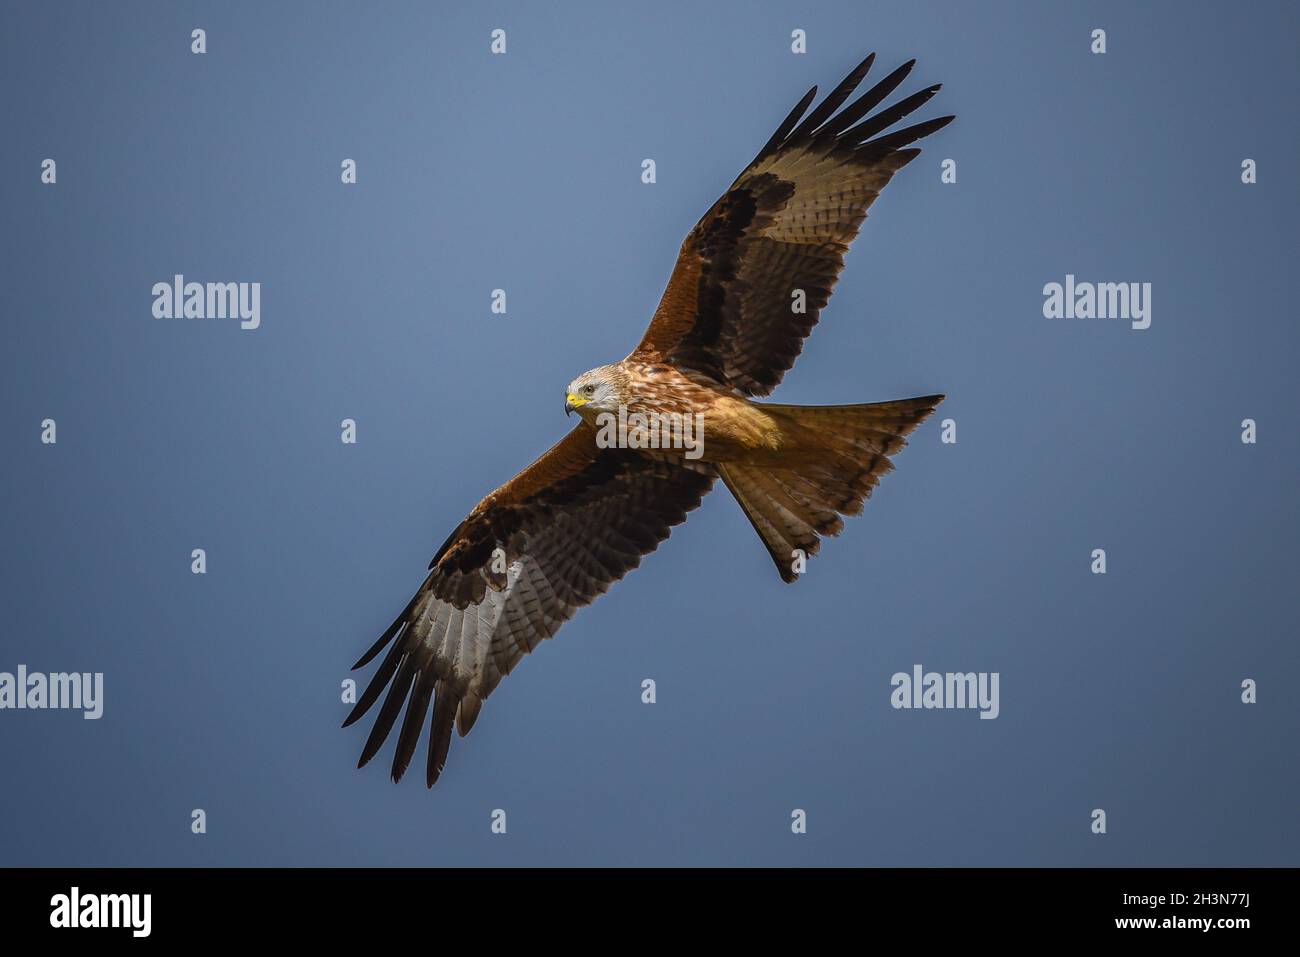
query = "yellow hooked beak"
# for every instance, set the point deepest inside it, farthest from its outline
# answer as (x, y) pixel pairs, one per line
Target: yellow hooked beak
(572, 402)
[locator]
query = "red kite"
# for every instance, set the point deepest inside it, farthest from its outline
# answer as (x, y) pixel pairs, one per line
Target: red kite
(659, 427)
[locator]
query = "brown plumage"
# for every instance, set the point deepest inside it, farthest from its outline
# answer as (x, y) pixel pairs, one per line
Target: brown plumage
(568, 526)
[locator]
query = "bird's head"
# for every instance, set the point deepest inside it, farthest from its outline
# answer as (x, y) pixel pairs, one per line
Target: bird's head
(600, 390)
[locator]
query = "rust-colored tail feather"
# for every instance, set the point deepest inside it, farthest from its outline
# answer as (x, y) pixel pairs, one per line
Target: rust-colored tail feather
(842, 450)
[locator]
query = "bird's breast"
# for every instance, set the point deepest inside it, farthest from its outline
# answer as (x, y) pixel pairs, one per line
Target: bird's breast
(671, 411)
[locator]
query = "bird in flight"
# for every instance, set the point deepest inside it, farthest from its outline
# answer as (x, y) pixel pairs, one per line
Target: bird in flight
(658, 428)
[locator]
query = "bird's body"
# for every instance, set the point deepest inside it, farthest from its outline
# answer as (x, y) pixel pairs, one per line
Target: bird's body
(660, 427)
(736, 428)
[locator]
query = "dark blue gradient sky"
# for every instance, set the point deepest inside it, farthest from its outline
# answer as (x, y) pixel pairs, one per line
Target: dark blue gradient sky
(522, 172)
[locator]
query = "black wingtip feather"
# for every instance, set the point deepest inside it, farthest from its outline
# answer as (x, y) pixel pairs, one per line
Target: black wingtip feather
(377, 683)
(391, 631)
(444, 718)
(389, 634)
(788, 123)
(836, 97)
(388, 713)
(887, 118)
(412, 724)
(866, 102)
(824, 123)
(891, 143)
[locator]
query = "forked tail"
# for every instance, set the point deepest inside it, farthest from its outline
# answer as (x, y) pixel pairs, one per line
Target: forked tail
(838, 454)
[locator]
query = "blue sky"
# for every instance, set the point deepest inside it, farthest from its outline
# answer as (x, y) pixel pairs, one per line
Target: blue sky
(522, 172)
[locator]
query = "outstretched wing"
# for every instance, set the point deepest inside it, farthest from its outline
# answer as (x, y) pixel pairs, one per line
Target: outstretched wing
(526, 558)
(730, 309)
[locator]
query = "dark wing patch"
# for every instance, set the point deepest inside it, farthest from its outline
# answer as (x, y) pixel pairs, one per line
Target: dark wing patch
(525, 559)
(784, 225)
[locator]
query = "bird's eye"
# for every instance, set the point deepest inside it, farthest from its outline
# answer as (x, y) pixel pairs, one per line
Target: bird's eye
(589, 389)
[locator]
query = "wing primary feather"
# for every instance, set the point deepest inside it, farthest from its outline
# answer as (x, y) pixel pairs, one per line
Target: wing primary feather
(468, 713)
(866, 102)
(787, 124)
(388, 713)
(388, 634)
(890, 143)
(377, 682)
(412, 724)
(903, 157)
(444, 719)
(442, 550)
(887, 118)
(836, 97)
